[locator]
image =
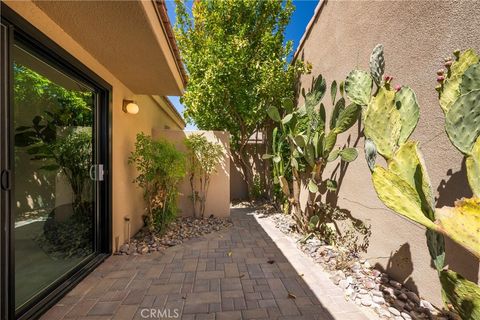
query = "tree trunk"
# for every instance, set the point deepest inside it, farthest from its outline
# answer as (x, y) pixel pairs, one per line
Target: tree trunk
(241, 157)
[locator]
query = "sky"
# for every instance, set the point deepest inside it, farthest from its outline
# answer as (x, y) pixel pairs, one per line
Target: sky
(300, 18)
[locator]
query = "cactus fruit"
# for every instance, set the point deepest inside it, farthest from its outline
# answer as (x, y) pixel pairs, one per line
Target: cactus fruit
(462, 121)
(358, 86)
(451, 88)
(382, 122)
(377, 64)
(464, 295)
(407, 105)
(461, 223)
(473, 168)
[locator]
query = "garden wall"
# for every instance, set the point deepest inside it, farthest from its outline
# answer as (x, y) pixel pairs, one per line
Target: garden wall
(218, 199)
(417, 36)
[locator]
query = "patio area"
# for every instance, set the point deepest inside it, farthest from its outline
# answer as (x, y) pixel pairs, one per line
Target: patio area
(250, 271)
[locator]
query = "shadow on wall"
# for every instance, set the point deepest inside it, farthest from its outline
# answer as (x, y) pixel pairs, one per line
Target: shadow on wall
(451, 189)
(400, 266)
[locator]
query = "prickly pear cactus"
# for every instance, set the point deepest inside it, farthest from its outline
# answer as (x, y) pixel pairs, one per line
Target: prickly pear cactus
(461, 223)
(450, 83)
(377, 64)
(407, 105)
(382, 122)
(460, 100)
(473, 168)
(464, 295)
(358, 86)
(471, 79)
(462, 121)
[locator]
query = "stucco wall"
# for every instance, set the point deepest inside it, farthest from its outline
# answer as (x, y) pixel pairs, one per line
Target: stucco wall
(218, 198)
(127, 200)
(417, 36)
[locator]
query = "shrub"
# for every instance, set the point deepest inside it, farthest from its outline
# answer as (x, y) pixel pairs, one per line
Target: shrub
(160, 168)
(204, 157)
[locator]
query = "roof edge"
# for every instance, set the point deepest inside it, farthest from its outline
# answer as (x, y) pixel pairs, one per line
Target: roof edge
(162, 13)
(308, 28)
(174, 110)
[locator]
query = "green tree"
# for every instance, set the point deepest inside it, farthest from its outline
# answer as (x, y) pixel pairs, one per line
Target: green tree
(236, 58)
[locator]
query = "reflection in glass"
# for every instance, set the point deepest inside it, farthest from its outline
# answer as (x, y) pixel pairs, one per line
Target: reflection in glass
(54, 195)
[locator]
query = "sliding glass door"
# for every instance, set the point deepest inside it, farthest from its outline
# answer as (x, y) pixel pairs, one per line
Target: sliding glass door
(54, 196)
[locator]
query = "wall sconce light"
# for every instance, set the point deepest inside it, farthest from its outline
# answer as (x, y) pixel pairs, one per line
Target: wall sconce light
(129, 106)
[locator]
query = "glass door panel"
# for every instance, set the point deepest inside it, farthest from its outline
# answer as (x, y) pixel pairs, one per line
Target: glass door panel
(54, 195)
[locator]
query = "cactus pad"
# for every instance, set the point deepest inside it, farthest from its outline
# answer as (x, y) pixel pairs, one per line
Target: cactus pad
(462, 121)
(370, 153)
(348, 154)
(408, 164)
(407, 105)
(471, 79)
(464, 295)
(313, 97)
(347, 118)
(358, 86)
(461, 223)
(377, 64)
(398, 195)
(451, 88)
(473, 168)
(383, 123)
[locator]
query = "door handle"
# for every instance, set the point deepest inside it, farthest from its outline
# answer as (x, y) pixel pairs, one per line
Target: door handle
(96, 172)
(5, 180)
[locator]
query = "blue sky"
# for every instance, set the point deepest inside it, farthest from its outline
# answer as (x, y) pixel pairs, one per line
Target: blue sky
(300, 18)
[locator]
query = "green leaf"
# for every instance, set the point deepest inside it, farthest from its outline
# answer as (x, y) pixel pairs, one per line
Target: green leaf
(312, 186)
(273, 114)
(287, 118)
(300, 140)
(339, 107)
(330, 141)
(267, 156)
(342, 88)
(347, 118)
(348, 154)
(333, 91)
(333, 155)
(331, 185)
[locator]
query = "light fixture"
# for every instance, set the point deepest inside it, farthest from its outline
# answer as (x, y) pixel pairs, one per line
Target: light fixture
(129, 106)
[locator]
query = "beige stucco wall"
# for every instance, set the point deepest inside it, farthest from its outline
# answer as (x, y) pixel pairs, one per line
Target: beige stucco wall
(417, 36)
(154, 112)
(218, 198)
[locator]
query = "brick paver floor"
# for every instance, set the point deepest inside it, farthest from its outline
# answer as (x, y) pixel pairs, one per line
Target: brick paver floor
(239, 273)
